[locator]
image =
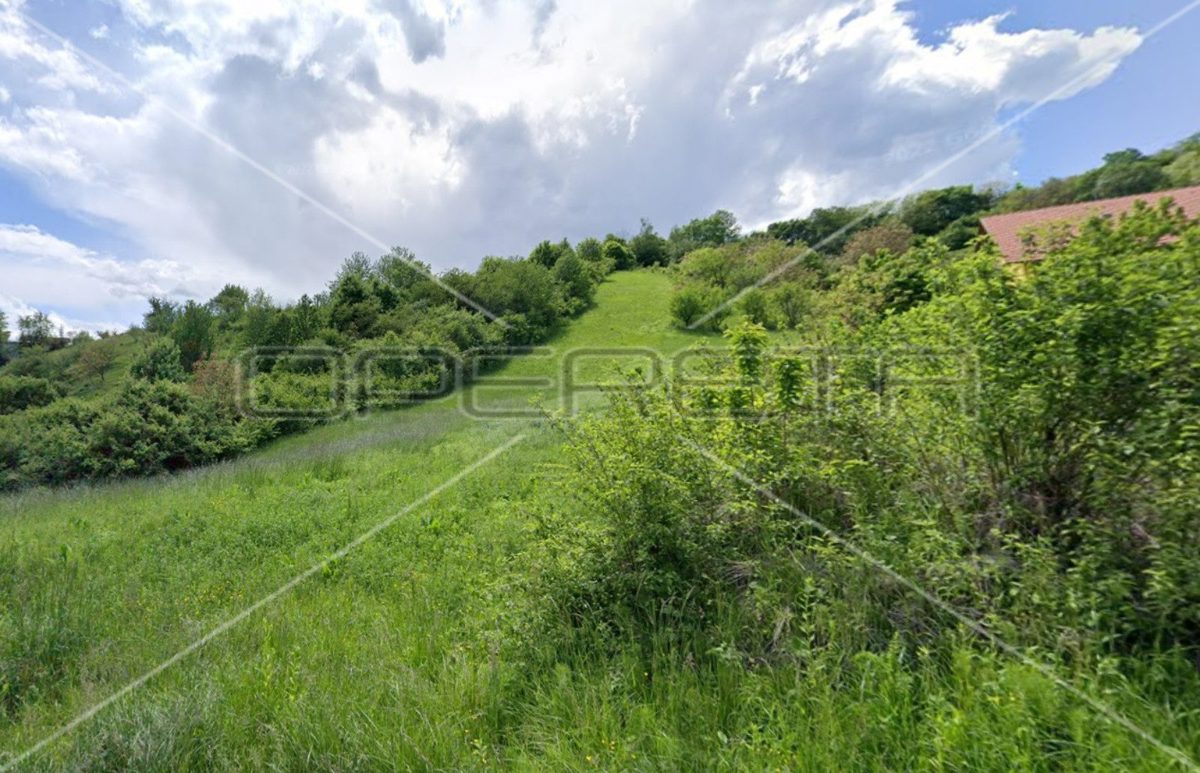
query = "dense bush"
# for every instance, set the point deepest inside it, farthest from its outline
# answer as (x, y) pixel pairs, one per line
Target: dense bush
(20, 392)
(143, 429)
(1027, 451)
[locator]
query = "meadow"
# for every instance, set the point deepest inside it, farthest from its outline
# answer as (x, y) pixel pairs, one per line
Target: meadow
(443, 641)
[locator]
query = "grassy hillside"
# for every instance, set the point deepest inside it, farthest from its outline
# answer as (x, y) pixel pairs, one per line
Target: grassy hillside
(382, 658)
(424, 648)
(59, 366)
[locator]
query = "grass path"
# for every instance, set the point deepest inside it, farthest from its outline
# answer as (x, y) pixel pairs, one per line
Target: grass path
(101, 584)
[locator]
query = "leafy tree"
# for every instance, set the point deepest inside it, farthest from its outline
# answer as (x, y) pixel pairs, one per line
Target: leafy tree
(35, 329)
(793, 301)
(826, 229)
(619, 254)
(159, 361)
(572, 273)
(306, 318)
(717, 229)
(890, 235)
(693, 301)
(354, 308)
(930, 212)
(95, 360)
(230, 302)
(18, 393)
(3, 338)
(519, 289)
(649, 249)
(590, 249)
(258, 321)
(193, 334)
(1124, 173)
(548, 253)
(161, 317)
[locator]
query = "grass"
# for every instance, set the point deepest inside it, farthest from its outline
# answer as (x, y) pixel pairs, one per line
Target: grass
(123, 349)
(401, 655)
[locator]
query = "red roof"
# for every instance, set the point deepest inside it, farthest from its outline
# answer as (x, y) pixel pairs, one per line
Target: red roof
(1007, 230)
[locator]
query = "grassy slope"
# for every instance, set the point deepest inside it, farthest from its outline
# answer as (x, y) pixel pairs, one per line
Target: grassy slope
(124, 348)
(390, 659)
(106, 582)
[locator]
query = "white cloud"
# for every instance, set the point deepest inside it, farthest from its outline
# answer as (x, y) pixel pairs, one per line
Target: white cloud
(463, 128)
(45, 272)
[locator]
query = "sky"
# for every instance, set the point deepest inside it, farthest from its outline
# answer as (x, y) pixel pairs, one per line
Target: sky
(167, 147)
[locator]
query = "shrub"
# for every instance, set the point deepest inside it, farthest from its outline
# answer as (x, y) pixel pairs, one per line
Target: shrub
(694, 301)
(159, 361)
(20, 392)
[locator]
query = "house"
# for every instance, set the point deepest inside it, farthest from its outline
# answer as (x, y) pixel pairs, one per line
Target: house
(1012, 232)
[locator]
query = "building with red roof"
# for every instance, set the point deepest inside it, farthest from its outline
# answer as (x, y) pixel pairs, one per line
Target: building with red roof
(1012, 232)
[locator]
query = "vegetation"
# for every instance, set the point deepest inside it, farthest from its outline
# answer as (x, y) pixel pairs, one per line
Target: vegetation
(913, 511)
(137, 424)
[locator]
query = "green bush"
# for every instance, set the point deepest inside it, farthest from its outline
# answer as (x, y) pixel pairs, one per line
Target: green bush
(1026, 450)
(20, 392)
(145, 428)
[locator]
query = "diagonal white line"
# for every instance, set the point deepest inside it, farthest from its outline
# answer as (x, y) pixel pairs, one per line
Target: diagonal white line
(250, 610)
(924, 178)
(1100, 706)
(251, 162)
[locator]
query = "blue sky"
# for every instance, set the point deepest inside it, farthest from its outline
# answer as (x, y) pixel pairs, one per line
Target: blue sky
(462, 129)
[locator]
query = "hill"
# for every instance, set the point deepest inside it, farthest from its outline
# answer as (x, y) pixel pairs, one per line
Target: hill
(440, 642)
(106, 582)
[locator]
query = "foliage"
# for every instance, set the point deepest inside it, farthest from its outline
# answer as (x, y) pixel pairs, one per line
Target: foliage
(35, 329)
(161, 317)
(890, 235)
(145, 428)
(20, 392)
(618, 253)
(648, 248)
(827, 229)
(577, 281)
(160, 360)
(94, 360)
(717, 229)
(931, 212)
(549, 253)
(193, 334)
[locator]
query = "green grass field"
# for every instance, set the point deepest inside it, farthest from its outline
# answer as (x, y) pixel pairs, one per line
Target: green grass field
(398, 656)
(102, 583)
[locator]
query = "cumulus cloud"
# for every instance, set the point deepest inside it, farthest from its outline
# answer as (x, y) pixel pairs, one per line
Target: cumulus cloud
(463, 128)
(45, 272)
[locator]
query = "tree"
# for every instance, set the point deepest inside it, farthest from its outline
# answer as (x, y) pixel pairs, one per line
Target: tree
(230, 302)
(649, 249)
(572, 273)
(95, 360)
(548, 253)
(524, 293)
(1124, 173)
(930, 212)
(159, 361)
(3, 338)
(619, 253)
(890, 235)
(35, 329)
(826, 230)
(161, 317)
(353, 308)
(193, 334)
(590, 249)
(717, 229)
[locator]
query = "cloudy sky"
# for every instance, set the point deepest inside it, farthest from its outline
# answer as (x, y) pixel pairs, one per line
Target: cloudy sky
(165, 147)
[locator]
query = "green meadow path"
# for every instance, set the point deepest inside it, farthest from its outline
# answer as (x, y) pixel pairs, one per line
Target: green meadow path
(381, 659)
